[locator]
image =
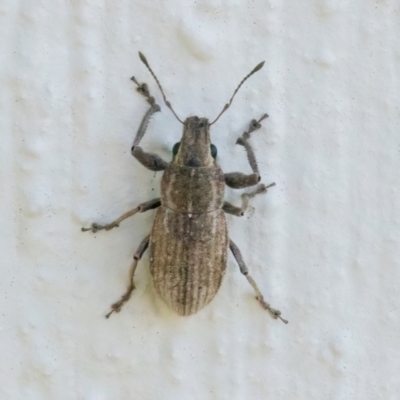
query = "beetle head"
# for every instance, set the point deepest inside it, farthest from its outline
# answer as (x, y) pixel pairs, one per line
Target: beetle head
(195, 148)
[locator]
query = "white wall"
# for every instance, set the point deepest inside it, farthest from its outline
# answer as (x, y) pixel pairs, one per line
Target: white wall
(323, 244)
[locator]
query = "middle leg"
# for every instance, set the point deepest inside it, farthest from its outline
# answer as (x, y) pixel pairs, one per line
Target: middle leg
(148, 205)
(239, 211)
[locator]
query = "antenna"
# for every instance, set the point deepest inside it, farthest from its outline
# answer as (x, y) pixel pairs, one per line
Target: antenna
(257, 68)
(144, 61)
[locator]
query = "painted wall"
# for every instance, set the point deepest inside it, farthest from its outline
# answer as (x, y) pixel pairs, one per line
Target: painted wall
(323, 244)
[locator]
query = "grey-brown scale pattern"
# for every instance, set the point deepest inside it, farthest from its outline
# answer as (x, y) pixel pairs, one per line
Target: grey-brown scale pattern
(189, 240)
(193, 190)
(188, 261)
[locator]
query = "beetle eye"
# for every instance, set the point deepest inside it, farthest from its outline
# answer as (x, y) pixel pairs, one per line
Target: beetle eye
(213, 151)
(176, 148)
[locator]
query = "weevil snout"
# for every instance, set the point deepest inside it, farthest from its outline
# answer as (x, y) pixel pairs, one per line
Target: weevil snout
(194, 149)
(196, 123)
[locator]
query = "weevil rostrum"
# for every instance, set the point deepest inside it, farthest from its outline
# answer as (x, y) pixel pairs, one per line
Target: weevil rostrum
(189, 240)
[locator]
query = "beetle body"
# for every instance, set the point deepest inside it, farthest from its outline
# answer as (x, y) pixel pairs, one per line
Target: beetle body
(189, 239)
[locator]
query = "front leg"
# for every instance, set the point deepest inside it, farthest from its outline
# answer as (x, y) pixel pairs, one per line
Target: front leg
(239, 211)
(237, 180)
(149, 160)
(153, 162)
(146, 206)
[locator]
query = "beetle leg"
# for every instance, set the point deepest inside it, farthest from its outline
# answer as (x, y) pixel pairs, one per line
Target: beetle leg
(238, 180)
(243, 141)
(239, 211)
(150, 161)
(146, 206)
(153, 162)
(243, 269)
(116, 307)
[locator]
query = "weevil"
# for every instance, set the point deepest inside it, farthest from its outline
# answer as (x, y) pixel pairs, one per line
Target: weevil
(189, 240)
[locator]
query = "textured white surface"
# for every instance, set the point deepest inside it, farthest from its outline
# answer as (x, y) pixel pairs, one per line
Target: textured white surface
(323, 244)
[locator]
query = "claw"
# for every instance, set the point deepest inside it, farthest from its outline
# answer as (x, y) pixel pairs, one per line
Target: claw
(274, 313)
(116, 307)
(94, 228)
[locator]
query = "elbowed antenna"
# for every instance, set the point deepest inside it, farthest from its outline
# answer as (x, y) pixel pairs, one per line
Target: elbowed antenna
(144, 61)
(257, 68)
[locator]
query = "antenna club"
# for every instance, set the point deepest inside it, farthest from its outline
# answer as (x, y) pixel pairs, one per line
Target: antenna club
(143, 59)
(258, 67)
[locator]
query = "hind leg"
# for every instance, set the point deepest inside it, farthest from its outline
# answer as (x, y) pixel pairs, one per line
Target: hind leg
(116, 307)
(243, 269)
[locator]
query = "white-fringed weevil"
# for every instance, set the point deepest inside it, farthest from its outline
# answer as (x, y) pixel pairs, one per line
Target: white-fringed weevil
(189, 240)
